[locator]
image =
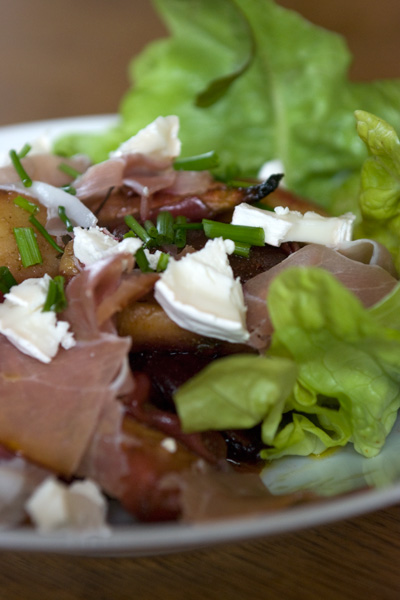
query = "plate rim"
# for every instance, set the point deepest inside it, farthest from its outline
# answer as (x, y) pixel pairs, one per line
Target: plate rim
(152, 539)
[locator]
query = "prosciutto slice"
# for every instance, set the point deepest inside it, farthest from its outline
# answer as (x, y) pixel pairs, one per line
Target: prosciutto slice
(51, 411)
(44, 167)
(364, 267)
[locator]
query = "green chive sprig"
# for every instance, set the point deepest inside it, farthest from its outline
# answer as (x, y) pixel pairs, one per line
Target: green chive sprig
(151, 229)
(27, 246)
(23, 175)
(56, 300)
(238, 233)
(43, 231)
(7, 280)
(140, 231)
(68, 170)
(69, 189)
(200, 162)
(162, 263)
(23, 203)
(142, 261)
(180, 232)
(24, 150)
(165, 227)
(64, 218)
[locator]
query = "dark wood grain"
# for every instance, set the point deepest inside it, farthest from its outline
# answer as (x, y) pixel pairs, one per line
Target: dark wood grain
(355, 559)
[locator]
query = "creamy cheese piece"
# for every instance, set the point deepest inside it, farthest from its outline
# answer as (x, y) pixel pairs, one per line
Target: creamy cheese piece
(153, 258)
(52, 197)
(284, 225)
(169, 444)
(93, 244)
(200, 293)
(54, 505)
(158, 140)
(271, 167)
(23, 322)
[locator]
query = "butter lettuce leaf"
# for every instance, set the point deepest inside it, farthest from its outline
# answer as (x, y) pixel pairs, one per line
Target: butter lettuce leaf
(339, 379)
(379, 197)
(349, 370)
(236, 391)
(252, 81)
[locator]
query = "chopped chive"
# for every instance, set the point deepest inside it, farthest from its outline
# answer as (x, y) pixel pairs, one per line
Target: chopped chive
(45, 234)
(27, 246)
(142, 262)
(30, 207)
(63, 216)
(24, 150)
(165, 227)
(68, 170)
(151, 228)
(162, 262)
(201, 162)
(129, 234)
(187, 225)
(139, 230)
(55, 299)
(263, 206)
(240, 183)
(69, 189)
(180, 232)
(242, 249)
(238, 233)
(26, 180)
(7, 280)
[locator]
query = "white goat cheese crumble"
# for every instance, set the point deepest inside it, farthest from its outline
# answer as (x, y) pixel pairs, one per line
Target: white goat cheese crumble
(271, 167)
(158, 140)
(93, 244)
(284, 225)
(200, 293)
(23, 322)
(55, 505)
(52, 198)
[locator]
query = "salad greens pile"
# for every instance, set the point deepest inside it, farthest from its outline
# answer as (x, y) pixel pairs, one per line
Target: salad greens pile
(331, 375)
(253, 81)
(379, 198)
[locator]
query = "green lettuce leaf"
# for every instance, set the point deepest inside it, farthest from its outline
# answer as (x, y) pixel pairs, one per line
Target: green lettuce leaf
(342, 373)
(252, 81)
(379, 197)
(348, 361)
(240, 389)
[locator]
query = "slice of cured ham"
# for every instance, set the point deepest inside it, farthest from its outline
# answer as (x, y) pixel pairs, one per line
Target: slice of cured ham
(364, 267)
(50, 412)
(44, 167)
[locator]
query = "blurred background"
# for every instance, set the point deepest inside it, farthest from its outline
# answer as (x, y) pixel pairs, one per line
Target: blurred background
(70, 58)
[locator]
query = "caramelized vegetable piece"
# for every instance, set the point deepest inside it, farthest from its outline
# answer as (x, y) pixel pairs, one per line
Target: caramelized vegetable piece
(149, 327)
(13, 216)
(149, 462)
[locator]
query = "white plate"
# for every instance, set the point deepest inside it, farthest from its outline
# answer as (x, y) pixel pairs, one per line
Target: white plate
(374, 483)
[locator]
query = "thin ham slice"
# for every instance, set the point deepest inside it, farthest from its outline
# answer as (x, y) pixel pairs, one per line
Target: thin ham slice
(45, 168)
(142, 175)
(364, 267)
(51, 411)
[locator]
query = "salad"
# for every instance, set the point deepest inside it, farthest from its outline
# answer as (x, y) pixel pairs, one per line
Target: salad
(170, 320)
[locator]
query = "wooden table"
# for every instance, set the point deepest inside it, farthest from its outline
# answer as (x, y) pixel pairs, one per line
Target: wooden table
(69, 58)
(355, 559)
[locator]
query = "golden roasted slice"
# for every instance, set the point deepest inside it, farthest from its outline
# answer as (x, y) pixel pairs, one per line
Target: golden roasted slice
(12, 216)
